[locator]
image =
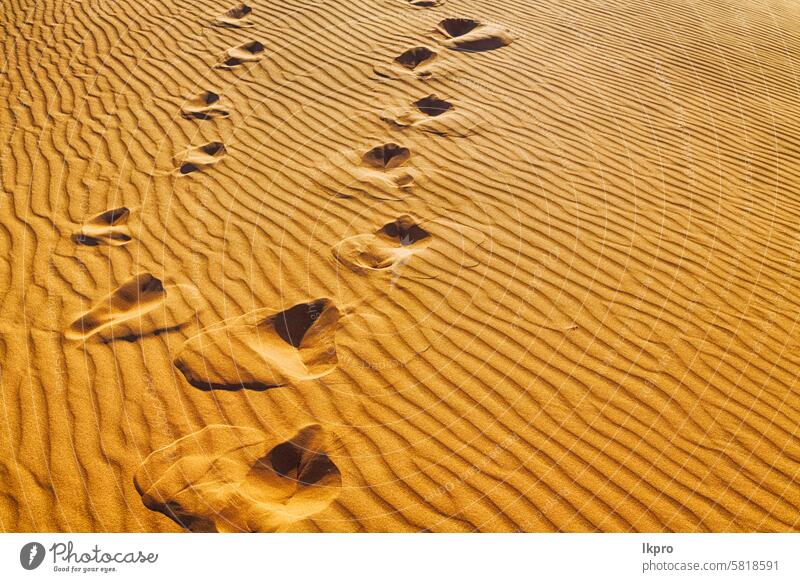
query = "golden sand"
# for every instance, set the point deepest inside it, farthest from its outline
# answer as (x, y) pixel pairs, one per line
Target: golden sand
(390, 265)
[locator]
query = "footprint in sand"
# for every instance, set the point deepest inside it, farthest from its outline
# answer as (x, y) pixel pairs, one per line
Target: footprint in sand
(386, 157)
(386, 163)
(425, 3)
(139, 307)
(390, 246)
(205, 105)
(234, 479)
(196, 158)
(381, 171)
(466, 34)
(235, 17)
(431, 114)
(248, 52)
(109, 228)
(263, 349)
(417, 61)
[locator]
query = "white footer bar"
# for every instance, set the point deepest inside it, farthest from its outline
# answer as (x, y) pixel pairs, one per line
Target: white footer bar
(401, 557)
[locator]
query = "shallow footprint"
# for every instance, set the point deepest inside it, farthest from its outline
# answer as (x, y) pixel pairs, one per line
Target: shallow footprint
(431, 114)
(205, 105)
(426, 3)
(196, 158)
(466, 34)
(140, 306)
(248, 52)
(385, 165)
(109, 227)
(417, 61)
(381, 171)
(231, 479)
(390, 246)
(263, 349)
(235, 17)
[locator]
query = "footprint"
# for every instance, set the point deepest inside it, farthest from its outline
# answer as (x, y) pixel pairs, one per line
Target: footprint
(426, 3)
(139, 307)
(416, 61)
(390, 246)
(381, 172)
(432, 114)
(232, 479)
(248, 52)
(432, 106)
(386, 157)
(235, 17)
(415, 57)
(263, 349)
(205, 105)
(109, 227)
(466, 34)
(196, 158)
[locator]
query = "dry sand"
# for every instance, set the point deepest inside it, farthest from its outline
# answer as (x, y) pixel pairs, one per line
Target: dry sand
(390, 265)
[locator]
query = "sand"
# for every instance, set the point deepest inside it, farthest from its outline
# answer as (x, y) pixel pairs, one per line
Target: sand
(383, 265)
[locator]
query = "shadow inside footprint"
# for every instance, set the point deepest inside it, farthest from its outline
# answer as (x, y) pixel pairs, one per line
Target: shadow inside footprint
(235, 17)
(109, 227)
(204, 105)
(390, 246)
(244, 53)
(196, 158)
(471, 35)
(234, 479)
(263, 349)
(432, 106)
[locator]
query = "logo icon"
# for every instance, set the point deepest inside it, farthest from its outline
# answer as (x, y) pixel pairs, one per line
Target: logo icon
(31, 555)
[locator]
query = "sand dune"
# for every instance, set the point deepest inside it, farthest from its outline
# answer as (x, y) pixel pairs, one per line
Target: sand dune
(399, 265)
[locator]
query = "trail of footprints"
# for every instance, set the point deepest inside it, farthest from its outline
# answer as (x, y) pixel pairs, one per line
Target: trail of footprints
(233, 478)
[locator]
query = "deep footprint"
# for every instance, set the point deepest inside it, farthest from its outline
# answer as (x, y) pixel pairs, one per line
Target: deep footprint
(391, 245)
(470, 35)
(263, 349)
(248, 52)
(196, 158)
(205, 105)
(109, 228)
(232, 479)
